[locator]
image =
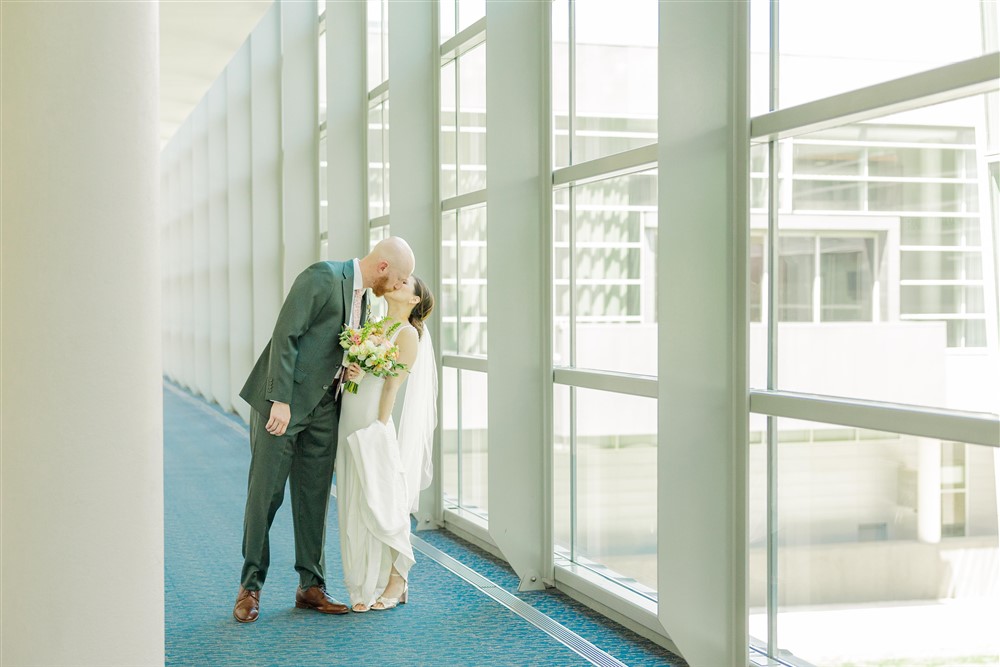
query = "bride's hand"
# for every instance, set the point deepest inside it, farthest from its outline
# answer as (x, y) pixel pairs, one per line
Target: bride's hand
(354, 372)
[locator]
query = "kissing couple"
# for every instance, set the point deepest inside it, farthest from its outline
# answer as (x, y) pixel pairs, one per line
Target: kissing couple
(303, 425)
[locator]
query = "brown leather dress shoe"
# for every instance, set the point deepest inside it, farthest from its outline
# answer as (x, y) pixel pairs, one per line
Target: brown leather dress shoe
(316, 598)
(247, 607)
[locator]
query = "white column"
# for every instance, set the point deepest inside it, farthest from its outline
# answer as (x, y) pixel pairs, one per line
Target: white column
(299, 136)
(346, 130)
(218, 244)
(414, 68)
(82, 489)
(200, 251)
(518, 154)
(701, 288)
(241, 348)
(928, 490)
(265, 129)
(167, 189)
(185, 256)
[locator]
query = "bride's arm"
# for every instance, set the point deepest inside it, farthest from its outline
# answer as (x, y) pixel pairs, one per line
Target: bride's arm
(407, 342)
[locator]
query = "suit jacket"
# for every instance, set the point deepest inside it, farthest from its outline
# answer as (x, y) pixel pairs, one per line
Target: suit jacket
(300, 361)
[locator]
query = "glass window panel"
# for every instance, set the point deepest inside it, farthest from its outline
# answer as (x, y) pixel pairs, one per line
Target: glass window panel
(385, 158)
(616, 486)
(448, 296)
(941, 265)
(376, 234)
(449, 436)
(759, 177)
(760, 68)
(560, 266)
(561, 461)
(945, 197)
(967, 333)
(322, 77)
(992, 104)
(472, 120)
(560, 82)
(376, 29)
(757, 530)
(917, 176)
(832, 46)
(615, 86)
(827, 159)
(862, 541)
(470, 11)
(846, 279)
(824, 195)
(933, 230)
(475, 454)
(449, 125)
(448, 10)
(953, 515)
(935, 299)
(614, 261)
(758, 159)
(323, 198)
(385, 40)
(375, 163)
(796, 273)
(899, 161)
(952, 465)
(758, 194)
(472, 273)
(758, 259)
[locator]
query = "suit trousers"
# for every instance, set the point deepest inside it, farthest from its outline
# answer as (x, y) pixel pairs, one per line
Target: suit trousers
(304, 456)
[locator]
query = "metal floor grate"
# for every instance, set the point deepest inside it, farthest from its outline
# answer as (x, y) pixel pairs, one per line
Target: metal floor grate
(544, 623)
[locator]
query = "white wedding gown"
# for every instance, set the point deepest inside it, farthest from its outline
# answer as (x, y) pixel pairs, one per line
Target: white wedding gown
(373, 497)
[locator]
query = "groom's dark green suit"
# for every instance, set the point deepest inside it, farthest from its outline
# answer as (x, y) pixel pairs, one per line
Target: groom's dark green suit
(297, 367)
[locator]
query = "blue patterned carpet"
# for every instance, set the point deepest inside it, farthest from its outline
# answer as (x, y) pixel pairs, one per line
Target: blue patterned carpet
(446, 621)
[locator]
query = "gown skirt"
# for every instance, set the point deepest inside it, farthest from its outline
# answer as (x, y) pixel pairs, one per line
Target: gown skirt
(372, 508)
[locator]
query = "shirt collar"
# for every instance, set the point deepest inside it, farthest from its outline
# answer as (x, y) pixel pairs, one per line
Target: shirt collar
(359, 282)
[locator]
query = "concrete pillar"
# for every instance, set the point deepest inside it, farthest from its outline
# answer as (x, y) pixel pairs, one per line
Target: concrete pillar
(82, 490)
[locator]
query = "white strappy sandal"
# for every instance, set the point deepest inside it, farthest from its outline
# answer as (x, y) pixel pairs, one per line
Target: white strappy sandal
(389, 603)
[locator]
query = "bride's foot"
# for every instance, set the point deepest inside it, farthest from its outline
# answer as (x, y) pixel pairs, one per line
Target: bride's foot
(359, 607)
(394, 593)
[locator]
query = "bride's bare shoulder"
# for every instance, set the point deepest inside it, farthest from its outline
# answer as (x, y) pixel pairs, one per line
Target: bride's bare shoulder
(406, 340)
(408, 333)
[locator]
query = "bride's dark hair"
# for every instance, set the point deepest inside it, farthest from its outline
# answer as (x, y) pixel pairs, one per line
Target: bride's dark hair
(423, 308)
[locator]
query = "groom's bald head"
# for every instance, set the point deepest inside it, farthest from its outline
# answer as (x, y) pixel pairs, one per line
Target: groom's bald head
(388, 265)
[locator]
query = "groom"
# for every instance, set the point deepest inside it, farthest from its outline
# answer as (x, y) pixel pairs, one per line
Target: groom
(293, 424)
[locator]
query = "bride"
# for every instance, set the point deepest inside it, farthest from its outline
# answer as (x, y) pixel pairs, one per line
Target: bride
(380, 474)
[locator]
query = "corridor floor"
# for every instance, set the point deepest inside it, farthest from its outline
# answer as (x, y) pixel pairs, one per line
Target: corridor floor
(448, 621)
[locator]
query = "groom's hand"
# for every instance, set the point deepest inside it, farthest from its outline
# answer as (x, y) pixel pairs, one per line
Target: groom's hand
(281, 414)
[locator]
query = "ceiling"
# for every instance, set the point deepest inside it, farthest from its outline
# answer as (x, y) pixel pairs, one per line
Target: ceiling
(197, 41)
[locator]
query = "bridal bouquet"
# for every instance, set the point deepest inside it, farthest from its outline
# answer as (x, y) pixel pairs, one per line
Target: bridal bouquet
(371, 348)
